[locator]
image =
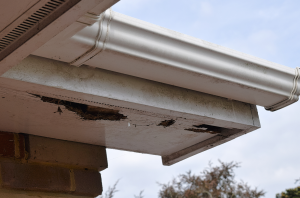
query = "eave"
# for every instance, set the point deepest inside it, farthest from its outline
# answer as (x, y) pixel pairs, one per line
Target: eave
(29, 24)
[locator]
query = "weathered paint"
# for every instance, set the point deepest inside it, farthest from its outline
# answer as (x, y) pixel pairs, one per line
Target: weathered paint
(156, 114)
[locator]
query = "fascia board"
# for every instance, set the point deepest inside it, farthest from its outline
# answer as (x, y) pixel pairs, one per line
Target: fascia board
(146, 103)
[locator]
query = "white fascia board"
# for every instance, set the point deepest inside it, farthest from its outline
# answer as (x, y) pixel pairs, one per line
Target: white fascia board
(126, 45)
(145, 103)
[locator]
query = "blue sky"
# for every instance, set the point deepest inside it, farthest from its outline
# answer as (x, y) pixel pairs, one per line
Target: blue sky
(267, 29)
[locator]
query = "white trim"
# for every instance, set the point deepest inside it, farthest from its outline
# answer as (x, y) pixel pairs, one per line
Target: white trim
(141, 49)
(102, 37)
(290, 99)
(145, 103)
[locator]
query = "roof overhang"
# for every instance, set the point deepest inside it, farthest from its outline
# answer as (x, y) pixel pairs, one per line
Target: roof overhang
(28, 24)
(139, 87)
(53, 99)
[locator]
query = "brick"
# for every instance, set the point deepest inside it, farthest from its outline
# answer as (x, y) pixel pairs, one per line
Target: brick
(62, 152)
(88, 183)
(52, 165)
(35, 177)
(7, 146)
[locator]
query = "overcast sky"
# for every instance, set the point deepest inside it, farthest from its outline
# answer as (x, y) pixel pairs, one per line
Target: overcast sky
(268, 29)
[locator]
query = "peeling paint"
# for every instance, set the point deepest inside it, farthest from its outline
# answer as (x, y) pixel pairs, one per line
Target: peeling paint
(86, 112)
(206, 129)
(166, 123)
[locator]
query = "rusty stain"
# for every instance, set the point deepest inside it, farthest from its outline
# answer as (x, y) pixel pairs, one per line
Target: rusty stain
(166, 123)
(203, 128)
(86, 112)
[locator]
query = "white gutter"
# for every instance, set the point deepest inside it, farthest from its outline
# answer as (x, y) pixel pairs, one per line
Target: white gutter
(126, 45)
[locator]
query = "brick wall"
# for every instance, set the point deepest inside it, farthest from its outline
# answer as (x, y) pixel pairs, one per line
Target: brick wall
(34, 163)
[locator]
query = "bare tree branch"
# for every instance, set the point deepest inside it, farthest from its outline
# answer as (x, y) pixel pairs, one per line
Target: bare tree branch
(140, 195)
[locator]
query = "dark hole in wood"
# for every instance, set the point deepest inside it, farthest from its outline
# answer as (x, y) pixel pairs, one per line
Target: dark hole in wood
(204, 128)
(166, 123)
(86, 112)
